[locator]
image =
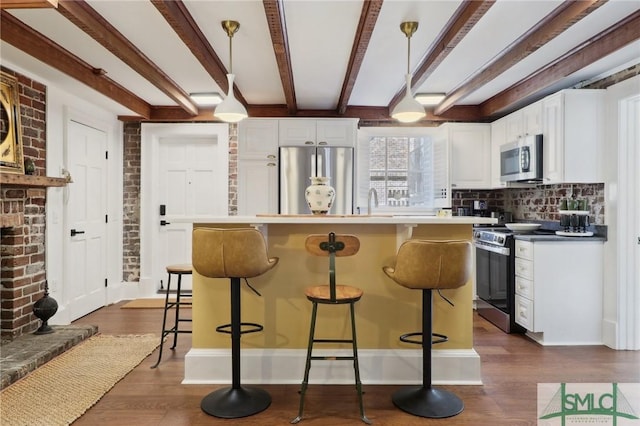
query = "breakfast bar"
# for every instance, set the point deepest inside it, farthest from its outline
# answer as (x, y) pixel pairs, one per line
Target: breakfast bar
(276, 355)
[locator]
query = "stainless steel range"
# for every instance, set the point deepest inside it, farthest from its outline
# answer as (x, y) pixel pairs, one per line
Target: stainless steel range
(495, 277)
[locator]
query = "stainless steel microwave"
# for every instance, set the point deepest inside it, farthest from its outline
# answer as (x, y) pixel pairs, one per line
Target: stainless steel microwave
(521, 161)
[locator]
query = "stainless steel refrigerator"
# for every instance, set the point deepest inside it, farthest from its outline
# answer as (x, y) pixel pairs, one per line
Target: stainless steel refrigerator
(299, 163)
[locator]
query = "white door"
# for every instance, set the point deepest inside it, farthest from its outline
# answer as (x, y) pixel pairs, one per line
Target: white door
(186, 188)
(85, 220)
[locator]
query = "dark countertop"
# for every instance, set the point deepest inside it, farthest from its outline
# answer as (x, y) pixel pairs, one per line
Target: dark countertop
(553, 237)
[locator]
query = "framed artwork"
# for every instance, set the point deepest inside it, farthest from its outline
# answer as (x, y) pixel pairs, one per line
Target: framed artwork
(11, 159)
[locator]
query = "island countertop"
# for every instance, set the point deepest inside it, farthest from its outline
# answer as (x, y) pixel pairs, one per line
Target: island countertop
(383, 219)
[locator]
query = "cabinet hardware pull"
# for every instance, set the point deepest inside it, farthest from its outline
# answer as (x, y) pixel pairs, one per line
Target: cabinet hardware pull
(309, 143)
(322, 143)
(271, 164)
(271, 157)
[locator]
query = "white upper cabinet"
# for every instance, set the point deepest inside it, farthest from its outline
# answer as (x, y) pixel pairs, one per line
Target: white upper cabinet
(573, 136)
(258, 138)
(524, 122)
(321, 132)
(470, 147)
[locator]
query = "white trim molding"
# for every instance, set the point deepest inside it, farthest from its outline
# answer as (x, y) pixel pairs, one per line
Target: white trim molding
(377, 367)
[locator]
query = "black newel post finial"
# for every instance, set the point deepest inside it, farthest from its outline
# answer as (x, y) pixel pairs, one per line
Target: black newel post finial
(44, 309)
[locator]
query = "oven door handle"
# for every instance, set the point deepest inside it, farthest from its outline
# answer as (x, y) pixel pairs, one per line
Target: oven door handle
(505, 251)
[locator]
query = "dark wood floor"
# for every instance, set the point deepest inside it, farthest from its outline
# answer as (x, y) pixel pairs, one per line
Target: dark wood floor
(512, 366)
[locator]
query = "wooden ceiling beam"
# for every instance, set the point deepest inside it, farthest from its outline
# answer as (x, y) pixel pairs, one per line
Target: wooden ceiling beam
(28, 4)
(462, 113)
(366, 25)
(25, 38)
(88, 20)
(178, 17)
(463, 20)
(274, 11)
(561, 18)
(615, 37)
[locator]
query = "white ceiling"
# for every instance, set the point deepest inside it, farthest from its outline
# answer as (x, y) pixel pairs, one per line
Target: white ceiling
(320, 35)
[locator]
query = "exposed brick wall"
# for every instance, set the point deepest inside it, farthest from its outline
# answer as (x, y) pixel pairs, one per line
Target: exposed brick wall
(22, 247)
(540, 203)
(131, 202)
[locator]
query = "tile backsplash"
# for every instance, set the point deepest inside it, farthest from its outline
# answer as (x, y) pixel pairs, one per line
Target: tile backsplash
(539, 203)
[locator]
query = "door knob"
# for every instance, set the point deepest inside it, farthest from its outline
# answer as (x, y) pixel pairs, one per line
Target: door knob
(74, 232)
(164, 223)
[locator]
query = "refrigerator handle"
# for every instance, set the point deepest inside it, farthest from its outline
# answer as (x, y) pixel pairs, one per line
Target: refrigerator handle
(313, 165)
(320, 164)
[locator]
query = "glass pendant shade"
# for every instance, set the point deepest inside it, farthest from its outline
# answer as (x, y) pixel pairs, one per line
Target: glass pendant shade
(230, 110)
(408, 110)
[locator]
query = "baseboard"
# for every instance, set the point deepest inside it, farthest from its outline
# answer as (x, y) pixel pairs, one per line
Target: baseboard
(377, 366)
(610, 334)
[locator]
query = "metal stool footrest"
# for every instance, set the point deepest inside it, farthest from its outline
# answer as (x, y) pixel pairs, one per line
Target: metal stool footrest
(407, 338)
(226, 328)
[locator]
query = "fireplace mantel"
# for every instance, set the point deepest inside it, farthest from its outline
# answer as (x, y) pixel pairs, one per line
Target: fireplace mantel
(18, 180)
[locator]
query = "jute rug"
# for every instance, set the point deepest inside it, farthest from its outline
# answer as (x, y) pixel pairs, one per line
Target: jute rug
(152, 303)
(64, 388)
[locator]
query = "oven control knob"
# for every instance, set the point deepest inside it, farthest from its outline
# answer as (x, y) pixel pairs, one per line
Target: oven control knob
(501, 240)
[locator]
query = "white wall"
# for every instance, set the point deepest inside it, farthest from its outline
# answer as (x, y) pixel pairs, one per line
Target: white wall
(63, 106)
(621, 296)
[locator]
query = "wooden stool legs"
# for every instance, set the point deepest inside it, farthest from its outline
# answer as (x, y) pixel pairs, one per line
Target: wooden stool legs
(426, 401)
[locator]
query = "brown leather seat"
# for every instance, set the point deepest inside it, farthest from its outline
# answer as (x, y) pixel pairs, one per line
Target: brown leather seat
(437, 265)
(332, 246)
(229, 253)
(235, 254)
(429, 265)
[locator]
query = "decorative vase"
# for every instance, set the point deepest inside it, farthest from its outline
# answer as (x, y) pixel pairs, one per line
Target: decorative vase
(319, 195)
(44, 309)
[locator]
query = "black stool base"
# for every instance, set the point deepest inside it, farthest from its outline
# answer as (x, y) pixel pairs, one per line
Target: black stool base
(428, 402)
(233, 403)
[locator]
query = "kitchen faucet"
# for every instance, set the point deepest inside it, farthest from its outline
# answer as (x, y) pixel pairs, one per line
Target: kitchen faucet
(373, 192)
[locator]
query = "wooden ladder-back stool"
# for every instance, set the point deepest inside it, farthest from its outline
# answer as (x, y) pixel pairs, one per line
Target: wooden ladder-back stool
(235, 254)
(179, 270)
(427, 266)
(332, 245)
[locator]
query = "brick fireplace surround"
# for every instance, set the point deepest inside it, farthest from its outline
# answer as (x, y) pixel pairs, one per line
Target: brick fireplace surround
(22, 245)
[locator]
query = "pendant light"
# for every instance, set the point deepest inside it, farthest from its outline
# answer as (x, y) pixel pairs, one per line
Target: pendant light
(408, 109)
(230, 110)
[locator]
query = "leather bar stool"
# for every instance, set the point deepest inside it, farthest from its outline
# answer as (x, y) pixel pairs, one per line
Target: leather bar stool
(179, 270)
(427, 266)
(234, 254)
(332, 245)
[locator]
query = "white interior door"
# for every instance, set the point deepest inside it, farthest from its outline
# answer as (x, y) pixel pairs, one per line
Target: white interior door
(85, 220)
(188, 186)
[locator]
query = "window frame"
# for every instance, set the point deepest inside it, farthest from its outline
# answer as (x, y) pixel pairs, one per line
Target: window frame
(362, 168)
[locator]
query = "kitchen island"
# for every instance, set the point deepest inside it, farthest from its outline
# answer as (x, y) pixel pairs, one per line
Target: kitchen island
(387, 310)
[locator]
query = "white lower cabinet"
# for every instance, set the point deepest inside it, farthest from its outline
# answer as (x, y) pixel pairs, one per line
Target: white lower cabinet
(558, 291)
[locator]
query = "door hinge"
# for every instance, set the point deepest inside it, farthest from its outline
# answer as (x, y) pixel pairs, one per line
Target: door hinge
(105, 282)
(106, 218)
(106, 155)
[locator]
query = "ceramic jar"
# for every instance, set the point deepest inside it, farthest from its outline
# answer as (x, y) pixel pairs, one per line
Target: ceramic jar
(319, 195)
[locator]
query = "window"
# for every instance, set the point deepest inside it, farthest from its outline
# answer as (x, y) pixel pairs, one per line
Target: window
(406, 167)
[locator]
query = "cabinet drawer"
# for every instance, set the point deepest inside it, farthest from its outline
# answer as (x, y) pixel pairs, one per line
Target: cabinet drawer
(524, 287)
(524, 268)
(524, 312)
(524, 249)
